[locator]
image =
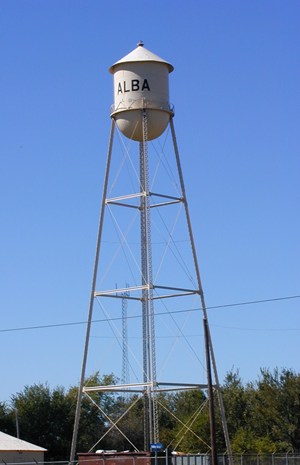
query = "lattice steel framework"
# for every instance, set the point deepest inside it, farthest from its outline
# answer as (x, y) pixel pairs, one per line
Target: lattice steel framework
(144, 293)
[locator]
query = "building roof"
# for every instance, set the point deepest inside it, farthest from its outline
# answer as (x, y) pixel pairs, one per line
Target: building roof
(10, 443)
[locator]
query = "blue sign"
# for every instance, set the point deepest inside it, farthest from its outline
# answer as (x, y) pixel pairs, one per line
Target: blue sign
(156, 446)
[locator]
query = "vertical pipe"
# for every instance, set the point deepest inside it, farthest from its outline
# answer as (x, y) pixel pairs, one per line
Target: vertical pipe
(17, 423)
(149, 357)
(144, 282)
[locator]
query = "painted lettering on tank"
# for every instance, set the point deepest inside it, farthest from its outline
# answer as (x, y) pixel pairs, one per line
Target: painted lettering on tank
(134, 85)
(145, 85)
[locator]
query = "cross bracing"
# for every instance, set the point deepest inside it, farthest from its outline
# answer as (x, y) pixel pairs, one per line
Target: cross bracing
(150, 244)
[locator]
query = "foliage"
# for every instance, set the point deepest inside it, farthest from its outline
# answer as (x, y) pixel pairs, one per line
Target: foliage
(262, 417)
(44, 417)
(7, 419)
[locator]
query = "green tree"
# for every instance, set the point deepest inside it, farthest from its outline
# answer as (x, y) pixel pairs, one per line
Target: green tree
(44, 418)
(235, 402)
(269, 412)
(93, 422)
(7, 419)
(288, 431)
(128, 413)
(262, 417)
(266, 419)
(188, 421)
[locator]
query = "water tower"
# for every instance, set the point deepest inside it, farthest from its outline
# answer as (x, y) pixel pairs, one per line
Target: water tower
(142, 113)
(141, 82)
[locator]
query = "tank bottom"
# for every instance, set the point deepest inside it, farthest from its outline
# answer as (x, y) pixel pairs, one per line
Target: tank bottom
(130, 123)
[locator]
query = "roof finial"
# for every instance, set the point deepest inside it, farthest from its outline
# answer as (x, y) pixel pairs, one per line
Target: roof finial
(140, 43)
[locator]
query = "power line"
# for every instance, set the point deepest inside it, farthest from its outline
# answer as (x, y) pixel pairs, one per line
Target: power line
(197, 309)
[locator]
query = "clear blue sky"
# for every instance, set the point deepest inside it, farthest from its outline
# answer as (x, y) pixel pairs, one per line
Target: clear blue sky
(236, 90)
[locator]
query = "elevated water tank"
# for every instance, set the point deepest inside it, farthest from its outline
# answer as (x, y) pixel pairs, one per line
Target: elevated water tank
(141, 82)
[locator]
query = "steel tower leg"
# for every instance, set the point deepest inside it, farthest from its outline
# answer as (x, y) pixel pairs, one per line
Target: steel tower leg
(149, 389)
(91, 305)
(222, 410)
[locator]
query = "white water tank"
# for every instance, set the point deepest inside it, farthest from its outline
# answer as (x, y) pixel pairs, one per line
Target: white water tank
(141, 82)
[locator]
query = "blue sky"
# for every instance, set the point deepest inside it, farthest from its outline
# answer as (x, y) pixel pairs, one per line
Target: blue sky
(236, 93)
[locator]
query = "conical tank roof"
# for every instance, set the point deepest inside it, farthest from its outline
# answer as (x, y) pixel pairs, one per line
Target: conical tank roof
(140, 53)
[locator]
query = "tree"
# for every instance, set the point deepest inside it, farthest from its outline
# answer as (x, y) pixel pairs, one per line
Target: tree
(268, 410)
(186, 428)
(235, 402)
(262, 417)
(93, 423)
(7, 419)
(44, 418)
(289, 409)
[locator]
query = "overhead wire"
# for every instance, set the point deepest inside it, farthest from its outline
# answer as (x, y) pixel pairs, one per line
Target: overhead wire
(198, 309)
